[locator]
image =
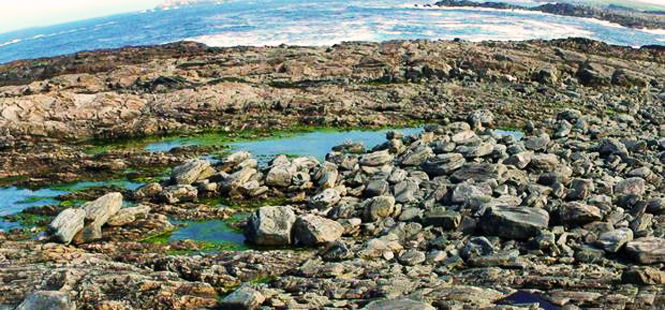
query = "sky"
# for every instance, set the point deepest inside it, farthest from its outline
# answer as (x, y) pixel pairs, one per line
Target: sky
(19, 14)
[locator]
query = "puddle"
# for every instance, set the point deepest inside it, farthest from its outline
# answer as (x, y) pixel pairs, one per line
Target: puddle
(14, 200)
(517, 134)
(315, 143)
(523, 298)
(214, 234)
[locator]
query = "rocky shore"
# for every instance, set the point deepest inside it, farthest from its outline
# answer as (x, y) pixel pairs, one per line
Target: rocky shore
(461, 216)
(615, 14)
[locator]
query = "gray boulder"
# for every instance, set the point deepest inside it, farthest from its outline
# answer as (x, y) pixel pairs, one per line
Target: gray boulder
(647, 250)
(47, 300)
(636, 186)
(325, 199)
(99, 211)
(443, 164)
(479, 172)
(376, 159)
(313, 230)
(244, 298)
(179, 193)
(271, 226)
(579, 213)
(378, 207)
(613, 240)
(398, 304)
(280, 176)
(67, 224)
(517, 223)
(417, 156)
(483, 116)
(191, 171)
(128, 215)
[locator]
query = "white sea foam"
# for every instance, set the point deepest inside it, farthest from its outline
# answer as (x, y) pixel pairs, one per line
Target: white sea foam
(10, 42)
(38, 36)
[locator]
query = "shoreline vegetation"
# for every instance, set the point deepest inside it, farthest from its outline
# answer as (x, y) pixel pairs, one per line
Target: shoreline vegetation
(615, 14)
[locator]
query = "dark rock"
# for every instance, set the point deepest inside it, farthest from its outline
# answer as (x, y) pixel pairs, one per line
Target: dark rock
(514, 222)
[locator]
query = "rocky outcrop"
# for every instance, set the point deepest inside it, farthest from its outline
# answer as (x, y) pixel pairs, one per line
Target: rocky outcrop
(271, 226)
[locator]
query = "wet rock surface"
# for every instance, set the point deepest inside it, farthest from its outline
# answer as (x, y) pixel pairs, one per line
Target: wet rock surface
(456, 217)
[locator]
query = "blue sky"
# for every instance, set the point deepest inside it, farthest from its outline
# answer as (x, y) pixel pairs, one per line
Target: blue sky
(19, 14)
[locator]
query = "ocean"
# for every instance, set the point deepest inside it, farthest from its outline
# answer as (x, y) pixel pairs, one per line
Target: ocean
(323, 22)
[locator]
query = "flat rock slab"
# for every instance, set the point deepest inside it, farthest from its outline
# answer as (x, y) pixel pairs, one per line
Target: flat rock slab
(47, 300)
(190, 171)
(514, 222)
(647, 250)
(244, 298)
(398, 304)
(67, 224)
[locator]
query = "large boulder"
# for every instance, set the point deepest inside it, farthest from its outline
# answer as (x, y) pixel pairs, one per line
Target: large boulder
(612, 241)
(47, 300)
(179, 193)
(244, 298)
(518, 223)
(280, 175)
(636, 186)
(325, 199)
(99, 211)
(238, 178)
(314, 230)
(128, 215)
(67, 224)
(271, 226)
(479, 172)
(376, 159)
(579, 213)
(443, 164)
(191, 171)
(378, 207)
(398, 304)
(647, 250)
(482, 116)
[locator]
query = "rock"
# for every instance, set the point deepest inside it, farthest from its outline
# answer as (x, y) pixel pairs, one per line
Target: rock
(593, 75)
(67, 224)
(378, 207)
(405, 191)
(244, 298)
(270, 226)
(465, 137)
(635, 186)
(324, 200)
(546, 76)
(412, 258)
(280, 176)
(128, 215)
(376, 159)
(579, 213)
(313, 230)
(231, 161)
(514, 222)
(538, 143)
(519, 160)
(643, 276)
(656, 206)
(238, 178)
(647, 250)
(544, 162)
(479, 172)
(191, 171)
(398, 304)
(475, 150)
(443, 164)
(613, 240)
(179, 193)
(484, 116)
(611, 146)
(440, 217)
(148, 191)
(376, 187)
(580, 189)
(570, 115)
(99, 211)
(476, 247)
(47, 300)
(416, 157)
(564, 129)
